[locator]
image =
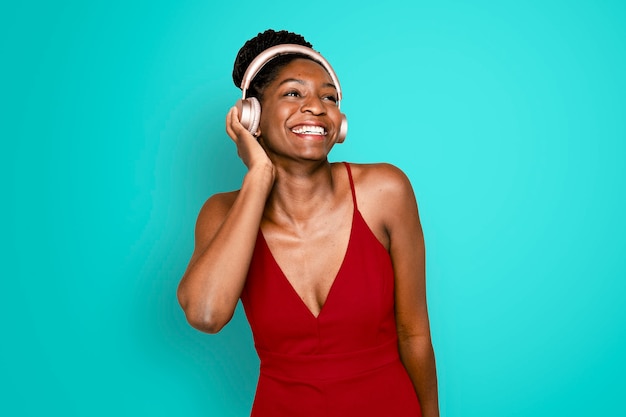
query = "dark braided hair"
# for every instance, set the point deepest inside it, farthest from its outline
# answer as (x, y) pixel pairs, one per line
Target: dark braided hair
(254, 47)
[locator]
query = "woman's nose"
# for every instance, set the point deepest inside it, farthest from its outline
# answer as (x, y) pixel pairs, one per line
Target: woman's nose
(314, 105)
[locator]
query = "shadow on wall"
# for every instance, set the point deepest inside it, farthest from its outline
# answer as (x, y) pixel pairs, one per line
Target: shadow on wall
(214, 372)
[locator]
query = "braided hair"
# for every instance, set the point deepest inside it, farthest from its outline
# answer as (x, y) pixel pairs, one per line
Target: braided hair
(268, 73)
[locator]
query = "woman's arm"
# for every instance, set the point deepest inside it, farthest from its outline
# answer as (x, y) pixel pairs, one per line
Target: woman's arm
(406, 246)
(226, 232)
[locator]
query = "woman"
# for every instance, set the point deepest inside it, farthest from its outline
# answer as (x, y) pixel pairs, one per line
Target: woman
(327, 258)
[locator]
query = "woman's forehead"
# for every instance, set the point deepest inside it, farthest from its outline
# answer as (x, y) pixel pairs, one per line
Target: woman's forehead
(301, 68)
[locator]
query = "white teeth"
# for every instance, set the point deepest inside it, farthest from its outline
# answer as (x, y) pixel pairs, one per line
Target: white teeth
(309, 130)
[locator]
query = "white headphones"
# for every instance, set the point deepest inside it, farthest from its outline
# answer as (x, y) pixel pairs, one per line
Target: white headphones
(250, 108)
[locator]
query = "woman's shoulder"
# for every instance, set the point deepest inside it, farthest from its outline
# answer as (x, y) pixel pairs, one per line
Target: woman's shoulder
(380, 177)
(223, 200)
(384, 195)
(216, 207)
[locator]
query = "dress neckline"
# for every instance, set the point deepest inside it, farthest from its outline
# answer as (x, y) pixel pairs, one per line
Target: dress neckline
(355, 212)
(336, 278)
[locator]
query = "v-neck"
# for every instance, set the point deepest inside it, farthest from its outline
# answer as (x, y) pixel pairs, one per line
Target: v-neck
(332, 285)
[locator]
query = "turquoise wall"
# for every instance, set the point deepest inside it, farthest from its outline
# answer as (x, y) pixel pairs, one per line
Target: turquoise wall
(509, 118)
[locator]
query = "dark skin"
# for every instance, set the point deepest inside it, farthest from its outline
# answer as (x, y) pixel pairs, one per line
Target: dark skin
(301, 203)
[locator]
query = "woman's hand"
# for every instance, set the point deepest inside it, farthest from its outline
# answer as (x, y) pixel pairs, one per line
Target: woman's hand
(248, 148)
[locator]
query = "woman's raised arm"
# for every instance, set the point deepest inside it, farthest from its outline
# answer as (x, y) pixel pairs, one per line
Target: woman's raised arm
(226, 232)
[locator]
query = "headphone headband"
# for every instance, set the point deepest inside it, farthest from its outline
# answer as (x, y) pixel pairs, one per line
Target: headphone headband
(286, 49)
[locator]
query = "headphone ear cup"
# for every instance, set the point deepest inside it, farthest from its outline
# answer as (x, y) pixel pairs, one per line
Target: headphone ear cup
(249, 113)
(343, 129)
(255, 115)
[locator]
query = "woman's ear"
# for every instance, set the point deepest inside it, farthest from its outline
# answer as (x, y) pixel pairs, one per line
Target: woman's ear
(257, 134)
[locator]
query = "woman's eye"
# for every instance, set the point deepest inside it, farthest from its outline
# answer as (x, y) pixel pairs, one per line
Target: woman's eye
(292, 94)
(331, 98)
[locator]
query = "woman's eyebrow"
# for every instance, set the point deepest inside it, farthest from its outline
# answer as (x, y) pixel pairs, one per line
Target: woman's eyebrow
(302, 82)
(290, 80)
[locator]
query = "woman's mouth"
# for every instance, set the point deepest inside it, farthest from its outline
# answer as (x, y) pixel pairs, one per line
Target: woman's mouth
(309, 130)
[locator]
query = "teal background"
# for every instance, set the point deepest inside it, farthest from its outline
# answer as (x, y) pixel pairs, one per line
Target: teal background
(509, 118)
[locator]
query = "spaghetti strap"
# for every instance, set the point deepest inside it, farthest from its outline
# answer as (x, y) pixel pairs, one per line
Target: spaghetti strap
(351, 184)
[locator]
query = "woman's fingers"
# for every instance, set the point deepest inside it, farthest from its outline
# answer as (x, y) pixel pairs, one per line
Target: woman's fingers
(232, 118)
(235, 129)
(248, 148)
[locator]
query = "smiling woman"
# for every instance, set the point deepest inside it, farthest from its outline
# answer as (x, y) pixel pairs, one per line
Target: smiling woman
(331, 281)
(301, 104)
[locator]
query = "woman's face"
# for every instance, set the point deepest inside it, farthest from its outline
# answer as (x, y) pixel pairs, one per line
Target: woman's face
(299, 117)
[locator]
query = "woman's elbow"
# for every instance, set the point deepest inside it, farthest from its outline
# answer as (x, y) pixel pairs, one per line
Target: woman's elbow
(204, 316)
(206, 323)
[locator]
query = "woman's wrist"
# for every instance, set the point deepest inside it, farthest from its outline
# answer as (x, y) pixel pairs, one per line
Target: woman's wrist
(260, 177)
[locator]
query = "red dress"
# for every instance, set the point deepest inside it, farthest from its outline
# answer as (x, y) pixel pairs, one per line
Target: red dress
(342, 363)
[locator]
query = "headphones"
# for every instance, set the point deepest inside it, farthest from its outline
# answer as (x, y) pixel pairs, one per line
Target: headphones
(250, 108)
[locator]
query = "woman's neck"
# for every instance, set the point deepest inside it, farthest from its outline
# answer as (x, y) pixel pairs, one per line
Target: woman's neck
(300, 193)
